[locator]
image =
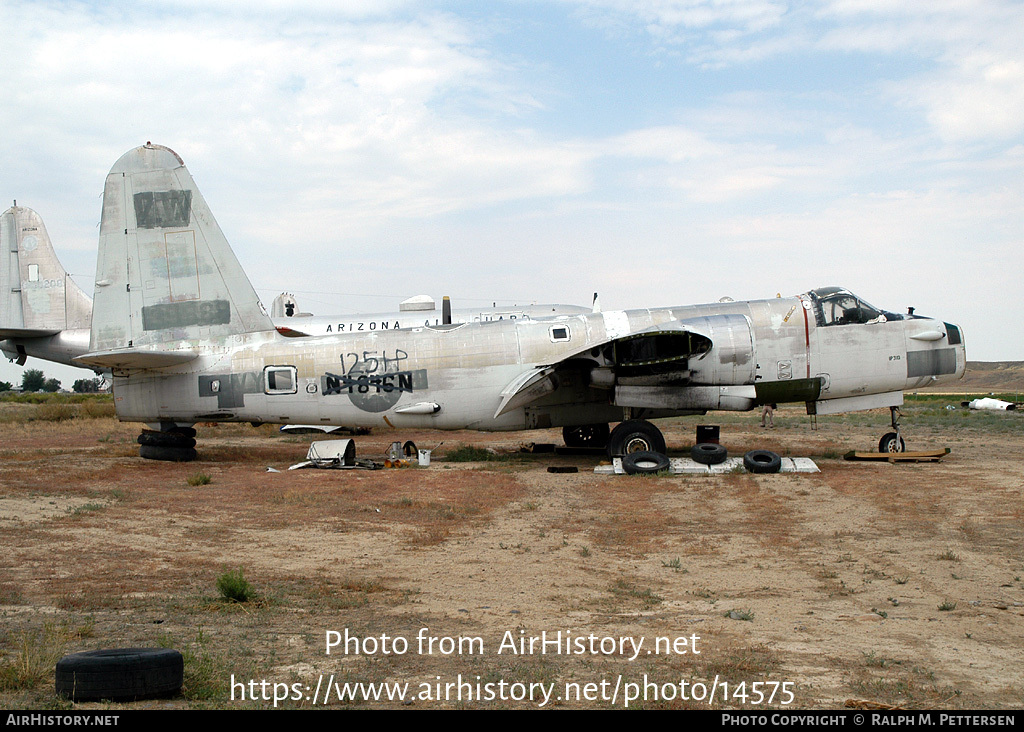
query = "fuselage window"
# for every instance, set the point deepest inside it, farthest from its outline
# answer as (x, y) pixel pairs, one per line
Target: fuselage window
(559, 333)
(279, 380)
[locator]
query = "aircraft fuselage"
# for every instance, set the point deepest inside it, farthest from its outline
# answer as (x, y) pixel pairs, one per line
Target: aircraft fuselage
(457, 377)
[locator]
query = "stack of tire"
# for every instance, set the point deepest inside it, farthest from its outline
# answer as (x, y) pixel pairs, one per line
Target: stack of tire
(176, 445)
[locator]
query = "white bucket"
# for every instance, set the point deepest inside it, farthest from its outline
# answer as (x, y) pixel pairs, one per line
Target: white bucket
(424, 457)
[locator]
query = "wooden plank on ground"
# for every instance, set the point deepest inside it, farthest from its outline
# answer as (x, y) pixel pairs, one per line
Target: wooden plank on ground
(923, 456)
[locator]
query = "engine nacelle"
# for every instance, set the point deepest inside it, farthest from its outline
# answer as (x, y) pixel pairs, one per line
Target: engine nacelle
(730, 360)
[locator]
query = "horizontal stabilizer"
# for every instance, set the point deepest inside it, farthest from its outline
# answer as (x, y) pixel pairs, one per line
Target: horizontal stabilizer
(135, 359)
(25, 333)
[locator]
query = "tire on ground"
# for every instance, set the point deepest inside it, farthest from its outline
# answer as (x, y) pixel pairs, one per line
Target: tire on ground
(762, 461)
(165, 439)
(170, 454)
(187, 431)
(636, 463)
(120, 674)
(708, 453)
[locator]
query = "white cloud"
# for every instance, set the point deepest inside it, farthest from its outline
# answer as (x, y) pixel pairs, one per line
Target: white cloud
(379, 147)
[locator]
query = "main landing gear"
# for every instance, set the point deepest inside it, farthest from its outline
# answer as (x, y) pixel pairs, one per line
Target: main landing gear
(635, 435)
(631, 436)
(892, 441)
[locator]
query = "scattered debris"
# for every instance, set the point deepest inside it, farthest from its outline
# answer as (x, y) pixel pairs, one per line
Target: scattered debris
(337, 454)
(988, 403)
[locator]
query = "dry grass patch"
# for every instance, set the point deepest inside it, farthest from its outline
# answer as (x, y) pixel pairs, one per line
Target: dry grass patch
(902, 684)
(769, 516)
(626, 513)
(32, 653)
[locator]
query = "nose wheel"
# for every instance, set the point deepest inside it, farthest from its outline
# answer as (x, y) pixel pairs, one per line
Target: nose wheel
(892, 441)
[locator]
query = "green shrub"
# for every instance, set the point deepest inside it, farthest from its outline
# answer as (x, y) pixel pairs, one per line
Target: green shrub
(234, 587)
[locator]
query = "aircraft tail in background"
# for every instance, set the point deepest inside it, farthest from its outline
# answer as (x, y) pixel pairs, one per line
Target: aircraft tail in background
(37, 297)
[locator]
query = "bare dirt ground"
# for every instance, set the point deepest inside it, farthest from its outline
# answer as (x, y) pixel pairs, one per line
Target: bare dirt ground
(866, 584)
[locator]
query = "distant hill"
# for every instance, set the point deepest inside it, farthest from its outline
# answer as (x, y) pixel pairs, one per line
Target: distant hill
(985, 376)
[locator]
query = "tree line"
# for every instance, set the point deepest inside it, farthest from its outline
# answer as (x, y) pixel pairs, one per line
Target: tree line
(33, 380)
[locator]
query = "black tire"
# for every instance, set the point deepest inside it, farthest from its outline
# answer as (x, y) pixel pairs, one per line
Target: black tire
(165, 439)
(638, 463)
(170, 454)
(762, 461)
(588, 435)
(635, 435)
(708, 453)
(120, 674)
(187, 431)
(409, 449)
(891, 442)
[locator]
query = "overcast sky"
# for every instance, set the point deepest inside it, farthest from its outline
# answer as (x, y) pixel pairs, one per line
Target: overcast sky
(659, 152)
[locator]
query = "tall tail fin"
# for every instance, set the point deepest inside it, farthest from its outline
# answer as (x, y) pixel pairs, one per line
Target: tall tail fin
(37, 297)
(165, 273)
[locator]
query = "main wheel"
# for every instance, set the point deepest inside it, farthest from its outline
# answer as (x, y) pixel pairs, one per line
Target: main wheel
(891, 442)
(635, 435)
(588, 435)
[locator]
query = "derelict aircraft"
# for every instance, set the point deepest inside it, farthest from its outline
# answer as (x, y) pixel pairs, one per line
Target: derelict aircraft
(45, 314)
(187, 340)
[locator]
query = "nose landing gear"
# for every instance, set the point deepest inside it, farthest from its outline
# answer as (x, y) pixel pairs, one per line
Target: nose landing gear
(892, 441)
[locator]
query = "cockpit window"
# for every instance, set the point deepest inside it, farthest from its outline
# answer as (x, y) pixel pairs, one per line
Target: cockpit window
(844, 308)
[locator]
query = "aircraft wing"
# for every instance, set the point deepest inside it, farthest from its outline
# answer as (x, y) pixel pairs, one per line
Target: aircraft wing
(26, 333)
